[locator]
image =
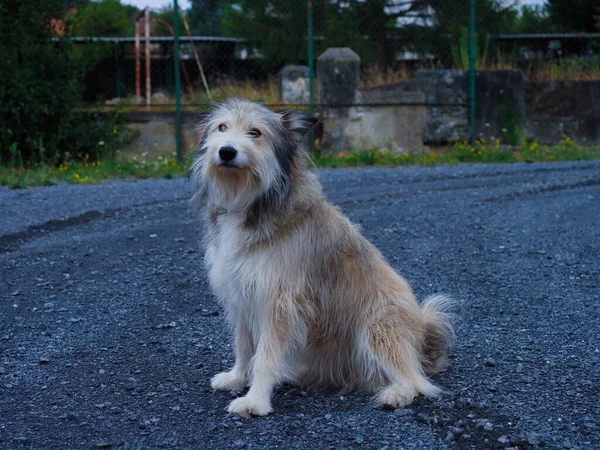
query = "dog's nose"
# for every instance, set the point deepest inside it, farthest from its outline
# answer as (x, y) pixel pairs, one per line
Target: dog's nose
(227, 153)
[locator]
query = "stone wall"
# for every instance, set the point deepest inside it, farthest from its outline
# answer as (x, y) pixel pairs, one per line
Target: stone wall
(157, 134)
(559, 108)
(440, 88)
(390, 117)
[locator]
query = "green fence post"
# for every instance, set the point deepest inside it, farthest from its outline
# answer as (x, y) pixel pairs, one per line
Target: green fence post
(311, 72)
(472, 69)
(120, 71)
(177, 80)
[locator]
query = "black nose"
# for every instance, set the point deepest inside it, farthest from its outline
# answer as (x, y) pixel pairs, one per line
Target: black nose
(227, 153)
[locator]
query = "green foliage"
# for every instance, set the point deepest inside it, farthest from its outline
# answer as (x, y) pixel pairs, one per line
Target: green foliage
(277, 27)
(493, 17)
(162, 23)
(40, 90)
(573, 15)
(533, 19)
(204, 17)
(460, 52)
(482, 151)
(103, 18)
(91, 172)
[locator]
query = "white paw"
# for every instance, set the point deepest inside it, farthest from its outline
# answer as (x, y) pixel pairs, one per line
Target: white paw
(247, 407)
(228, 381)
(395, 396)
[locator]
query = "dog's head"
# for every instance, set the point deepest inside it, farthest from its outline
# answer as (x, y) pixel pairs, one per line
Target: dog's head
(248, 153)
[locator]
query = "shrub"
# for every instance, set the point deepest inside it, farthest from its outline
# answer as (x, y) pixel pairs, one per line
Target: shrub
(40, 89)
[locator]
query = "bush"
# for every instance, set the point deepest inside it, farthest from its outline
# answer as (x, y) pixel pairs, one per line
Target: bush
(40, 89)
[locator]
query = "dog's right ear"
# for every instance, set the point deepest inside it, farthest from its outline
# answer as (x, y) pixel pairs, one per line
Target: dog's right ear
(202, 132)
(298, 123)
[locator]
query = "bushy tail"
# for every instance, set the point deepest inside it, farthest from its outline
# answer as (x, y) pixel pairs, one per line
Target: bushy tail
(439, 333)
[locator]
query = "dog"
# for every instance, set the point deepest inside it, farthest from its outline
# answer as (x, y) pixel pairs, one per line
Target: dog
(312, 302)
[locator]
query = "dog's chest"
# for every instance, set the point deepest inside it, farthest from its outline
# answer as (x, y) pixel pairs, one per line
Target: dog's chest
(233, 271)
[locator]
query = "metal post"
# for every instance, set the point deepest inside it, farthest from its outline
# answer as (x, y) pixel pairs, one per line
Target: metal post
(472, 69)
(119, 62)
(177, 79)
(138, 70)
(148, 67)
(310, 57)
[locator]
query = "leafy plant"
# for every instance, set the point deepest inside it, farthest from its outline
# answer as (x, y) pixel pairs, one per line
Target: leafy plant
(40, 90)
(460, 52)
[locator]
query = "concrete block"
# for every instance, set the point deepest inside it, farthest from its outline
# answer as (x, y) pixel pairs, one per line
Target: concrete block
(293, 85)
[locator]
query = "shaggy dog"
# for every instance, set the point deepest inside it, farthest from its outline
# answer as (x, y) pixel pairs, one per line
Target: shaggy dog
(311, 300)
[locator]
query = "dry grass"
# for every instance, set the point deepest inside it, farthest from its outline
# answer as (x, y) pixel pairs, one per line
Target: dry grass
(225, 88)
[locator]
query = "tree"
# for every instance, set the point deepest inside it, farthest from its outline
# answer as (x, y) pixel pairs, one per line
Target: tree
(104, 18)
(376, 29)
(162, 23)
(205, 17)
(573, 15)
(40, 88)
(534, 19)
(276, 28)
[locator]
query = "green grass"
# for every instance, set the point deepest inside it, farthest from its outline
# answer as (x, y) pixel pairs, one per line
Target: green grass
(481, 152)
(168, 167)
(90, 172)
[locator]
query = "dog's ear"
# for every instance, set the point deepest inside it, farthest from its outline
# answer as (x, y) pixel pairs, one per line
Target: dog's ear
(298, 123)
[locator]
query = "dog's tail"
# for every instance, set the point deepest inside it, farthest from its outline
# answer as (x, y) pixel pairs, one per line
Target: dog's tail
(439, 332)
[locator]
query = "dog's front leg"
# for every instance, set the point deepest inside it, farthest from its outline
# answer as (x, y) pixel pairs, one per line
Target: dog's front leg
(236, 379)
(266, 373)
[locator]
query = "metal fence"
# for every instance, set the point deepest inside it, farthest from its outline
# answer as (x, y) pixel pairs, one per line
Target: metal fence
(393, 38)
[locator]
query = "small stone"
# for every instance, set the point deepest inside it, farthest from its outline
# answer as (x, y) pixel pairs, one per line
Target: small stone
(164, 326)
(44, 360)
(328, 416)
(359, 439)
(15, 293)
(103, 444)
(2, 371)
(503, 439)
(489, 362)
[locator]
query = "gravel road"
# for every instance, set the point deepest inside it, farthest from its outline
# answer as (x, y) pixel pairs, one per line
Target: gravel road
(109, 334)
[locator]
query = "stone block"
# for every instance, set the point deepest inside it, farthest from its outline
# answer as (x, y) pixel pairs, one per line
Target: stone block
(337, 75)
(445, 123)
(500, 105)
(293, 85)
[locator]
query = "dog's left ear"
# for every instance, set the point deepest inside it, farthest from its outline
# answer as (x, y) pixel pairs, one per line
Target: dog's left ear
(298, 123)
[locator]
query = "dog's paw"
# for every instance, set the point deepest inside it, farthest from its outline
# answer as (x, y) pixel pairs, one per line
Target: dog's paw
(395, 396)
(247, 407)
(228, 381)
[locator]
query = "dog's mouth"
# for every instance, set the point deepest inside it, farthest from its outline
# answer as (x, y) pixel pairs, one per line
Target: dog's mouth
(228, 165)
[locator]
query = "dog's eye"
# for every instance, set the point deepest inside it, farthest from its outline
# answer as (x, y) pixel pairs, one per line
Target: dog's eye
(255, 133)
(222, 127)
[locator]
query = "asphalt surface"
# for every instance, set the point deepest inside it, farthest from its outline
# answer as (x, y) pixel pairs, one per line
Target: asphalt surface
(109, 334)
